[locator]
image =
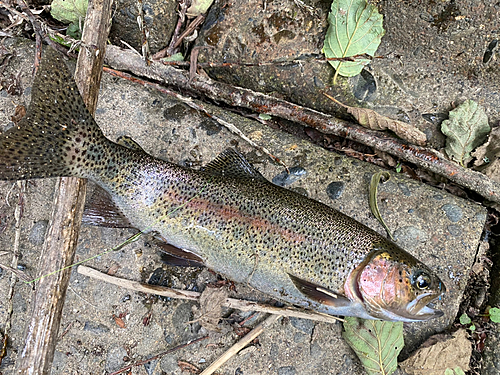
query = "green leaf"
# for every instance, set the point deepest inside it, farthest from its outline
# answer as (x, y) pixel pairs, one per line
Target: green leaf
(355, 28)
(69, 11)
(495, 315)
(376, 343)
(464, 319)
(198, 7)
(74, 31)
(466, 129)
(175, 57)
(457, 371)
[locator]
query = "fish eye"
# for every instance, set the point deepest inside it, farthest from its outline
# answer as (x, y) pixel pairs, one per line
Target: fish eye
(422, 281)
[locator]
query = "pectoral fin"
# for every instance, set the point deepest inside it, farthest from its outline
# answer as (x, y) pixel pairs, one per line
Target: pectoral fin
(320, 294)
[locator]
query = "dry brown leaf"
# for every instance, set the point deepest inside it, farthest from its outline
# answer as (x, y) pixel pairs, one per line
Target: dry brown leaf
(438, 353)
(119, 321)
(375, 121)
(19, 113)
(210, 311)
(488, 156)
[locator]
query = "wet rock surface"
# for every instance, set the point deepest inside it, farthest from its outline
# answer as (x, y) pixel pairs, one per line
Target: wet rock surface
(432, 57)
(169, 130)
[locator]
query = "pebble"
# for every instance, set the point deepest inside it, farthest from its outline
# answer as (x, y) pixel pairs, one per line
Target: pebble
(95, 327)
(168, 364)
(114, 360)
(150, 367)
(454, 230)
(304, 325)
(287, 370)
(404, 189)
(286, 179)
(37, 233)
(407, 237)
(335, 189)
(453, 212)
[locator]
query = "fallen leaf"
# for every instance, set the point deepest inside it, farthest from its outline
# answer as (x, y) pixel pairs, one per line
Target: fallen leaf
(69, 11)
(439, 353)
(488, 156)
(198, 7)
(375, 121)
(210, 311)
(376, 343)
(119, 321)
(355, 29)
(19, 113)
(465, 130)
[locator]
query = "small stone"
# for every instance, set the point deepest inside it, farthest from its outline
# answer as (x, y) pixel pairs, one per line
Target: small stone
(168, 364)
(299, 337)
(114, 360)
(304, 325)
(453, 212)
(316, 350)
(287, 370)
(335, 189)
(96, 328)
(454, 230)
(404, 189)
(37, 233)
(286, 179)
(408, 236)
(150, 367)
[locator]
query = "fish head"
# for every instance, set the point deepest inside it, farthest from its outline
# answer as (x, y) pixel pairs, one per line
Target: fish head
(393, 285)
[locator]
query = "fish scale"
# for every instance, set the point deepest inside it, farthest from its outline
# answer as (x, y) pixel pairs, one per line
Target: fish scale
(227, 215)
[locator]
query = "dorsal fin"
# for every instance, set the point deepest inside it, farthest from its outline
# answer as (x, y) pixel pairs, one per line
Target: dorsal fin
(231, 163)
(128, 142)
(100, 210)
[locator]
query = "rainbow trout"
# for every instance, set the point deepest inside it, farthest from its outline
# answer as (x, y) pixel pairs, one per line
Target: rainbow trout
(227, 215)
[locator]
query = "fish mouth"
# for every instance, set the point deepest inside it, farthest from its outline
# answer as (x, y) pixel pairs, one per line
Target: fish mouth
(418, 310)
(422, 308)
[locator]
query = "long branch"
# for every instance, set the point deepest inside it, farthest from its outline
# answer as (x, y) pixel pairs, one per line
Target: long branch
(233, 303)
(60, 244)
(426, 158)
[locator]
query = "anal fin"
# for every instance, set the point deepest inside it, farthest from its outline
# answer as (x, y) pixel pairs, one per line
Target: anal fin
(100, 210)
(320, 294)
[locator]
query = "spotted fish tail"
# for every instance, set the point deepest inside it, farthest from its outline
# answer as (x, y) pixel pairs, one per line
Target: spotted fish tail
(58, 136)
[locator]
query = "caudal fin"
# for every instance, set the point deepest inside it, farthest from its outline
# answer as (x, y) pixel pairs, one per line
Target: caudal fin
(58, 136)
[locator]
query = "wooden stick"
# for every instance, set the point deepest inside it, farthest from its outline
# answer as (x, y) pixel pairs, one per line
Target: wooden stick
(233, 303)
(60, 244)
(426, 158)
(233, 350)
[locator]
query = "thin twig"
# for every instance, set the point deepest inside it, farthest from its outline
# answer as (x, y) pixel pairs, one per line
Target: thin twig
(233, 303)
(36, 355)
(426, 158)
(249, 337)
(189, 29)
(143, 362)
